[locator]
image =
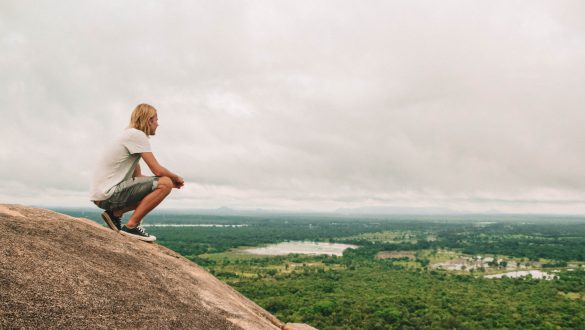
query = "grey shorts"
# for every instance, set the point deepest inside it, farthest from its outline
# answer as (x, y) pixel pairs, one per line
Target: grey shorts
(129, 193)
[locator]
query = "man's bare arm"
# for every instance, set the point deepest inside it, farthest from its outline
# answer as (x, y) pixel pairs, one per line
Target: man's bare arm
(137, 172)
(159, 170)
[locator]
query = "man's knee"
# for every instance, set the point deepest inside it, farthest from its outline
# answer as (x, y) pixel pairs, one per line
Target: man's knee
(165, 183)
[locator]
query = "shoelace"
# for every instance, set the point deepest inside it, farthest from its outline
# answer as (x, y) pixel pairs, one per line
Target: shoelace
(141, 230)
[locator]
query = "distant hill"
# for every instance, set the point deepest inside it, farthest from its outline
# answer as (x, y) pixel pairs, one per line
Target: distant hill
(57, 271)
(385, 210)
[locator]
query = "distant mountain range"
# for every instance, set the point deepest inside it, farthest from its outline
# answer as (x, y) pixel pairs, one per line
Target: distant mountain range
(376, 210)
(381, 210)
(372, 210)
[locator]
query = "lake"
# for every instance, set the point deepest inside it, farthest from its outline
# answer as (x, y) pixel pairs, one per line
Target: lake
(536, 274)
(191, 225)
(314, 248)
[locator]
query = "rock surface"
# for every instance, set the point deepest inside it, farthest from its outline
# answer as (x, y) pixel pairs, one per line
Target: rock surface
(58, 271)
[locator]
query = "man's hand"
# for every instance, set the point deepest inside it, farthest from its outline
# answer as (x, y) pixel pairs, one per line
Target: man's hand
(178, 182)
(159, 170)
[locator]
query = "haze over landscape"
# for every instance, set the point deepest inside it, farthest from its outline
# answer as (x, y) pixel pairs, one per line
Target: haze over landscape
(451, 105)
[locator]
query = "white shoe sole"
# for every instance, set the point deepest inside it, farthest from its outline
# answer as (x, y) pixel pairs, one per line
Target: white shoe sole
(142, 238)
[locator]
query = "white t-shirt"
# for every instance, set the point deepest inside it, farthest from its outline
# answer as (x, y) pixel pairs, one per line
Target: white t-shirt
(118, 163)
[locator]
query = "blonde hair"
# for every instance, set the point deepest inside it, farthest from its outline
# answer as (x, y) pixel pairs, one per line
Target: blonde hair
(140, 117)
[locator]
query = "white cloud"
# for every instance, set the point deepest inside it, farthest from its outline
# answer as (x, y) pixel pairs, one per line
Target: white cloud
(303, 104)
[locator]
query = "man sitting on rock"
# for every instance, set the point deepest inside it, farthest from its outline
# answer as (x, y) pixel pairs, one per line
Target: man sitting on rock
(118, 185)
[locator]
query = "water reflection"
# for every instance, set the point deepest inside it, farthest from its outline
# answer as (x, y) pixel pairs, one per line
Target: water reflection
(313, 248)
(536, 274)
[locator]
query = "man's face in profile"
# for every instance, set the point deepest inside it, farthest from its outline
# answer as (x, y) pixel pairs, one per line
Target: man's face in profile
(153, 122)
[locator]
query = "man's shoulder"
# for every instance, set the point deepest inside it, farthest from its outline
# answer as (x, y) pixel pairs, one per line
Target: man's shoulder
(133, 133)
(135, 141)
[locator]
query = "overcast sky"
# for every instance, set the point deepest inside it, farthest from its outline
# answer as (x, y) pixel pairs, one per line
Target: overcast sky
(302, 105)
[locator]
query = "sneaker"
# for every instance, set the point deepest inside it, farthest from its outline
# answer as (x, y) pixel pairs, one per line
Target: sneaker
(114, 222)
(137, 232)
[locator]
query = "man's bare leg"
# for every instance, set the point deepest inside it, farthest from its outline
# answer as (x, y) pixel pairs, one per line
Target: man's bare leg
(148, 203)
(119, 213)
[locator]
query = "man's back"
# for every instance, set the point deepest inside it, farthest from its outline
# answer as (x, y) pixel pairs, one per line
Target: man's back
(117, 163)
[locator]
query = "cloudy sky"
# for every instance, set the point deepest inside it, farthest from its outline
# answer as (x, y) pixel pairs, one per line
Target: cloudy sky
(302, 105)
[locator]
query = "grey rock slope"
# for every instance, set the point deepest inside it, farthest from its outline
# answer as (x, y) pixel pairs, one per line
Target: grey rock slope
(62, 272)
